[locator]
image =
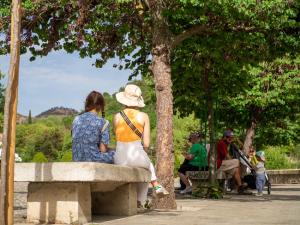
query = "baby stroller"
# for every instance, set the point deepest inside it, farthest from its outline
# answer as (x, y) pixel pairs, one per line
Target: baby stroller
(250, 178)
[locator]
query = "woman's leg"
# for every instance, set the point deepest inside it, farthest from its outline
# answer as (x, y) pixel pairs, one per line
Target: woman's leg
(134, 155)
(142, 191)
(182, 172)
(152, 171)
(184, 179)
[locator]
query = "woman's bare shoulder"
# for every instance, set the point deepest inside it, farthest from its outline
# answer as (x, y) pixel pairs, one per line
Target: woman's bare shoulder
(143, 115)
(116, 117)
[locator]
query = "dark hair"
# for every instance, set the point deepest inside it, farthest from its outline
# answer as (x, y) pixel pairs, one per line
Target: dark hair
(197, 134)
(94, 100)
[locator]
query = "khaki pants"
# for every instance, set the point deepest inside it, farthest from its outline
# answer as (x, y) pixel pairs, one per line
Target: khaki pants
(229, 166)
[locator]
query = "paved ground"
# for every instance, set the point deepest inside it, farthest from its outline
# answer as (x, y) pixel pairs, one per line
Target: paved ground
(281, 207)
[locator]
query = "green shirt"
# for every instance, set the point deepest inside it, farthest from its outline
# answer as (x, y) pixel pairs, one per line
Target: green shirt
(200, 156)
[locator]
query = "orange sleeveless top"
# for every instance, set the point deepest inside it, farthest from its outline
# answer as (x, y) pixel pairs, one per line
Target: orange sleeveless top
(124, 132)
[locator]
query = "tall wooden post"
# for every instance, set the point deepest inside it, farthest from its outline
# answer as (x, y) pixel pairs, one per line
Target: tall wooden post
(10, 114)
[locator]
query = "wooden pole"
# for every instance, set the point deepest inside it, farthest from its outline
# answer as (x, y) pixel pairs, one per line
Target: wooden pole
(10, 114)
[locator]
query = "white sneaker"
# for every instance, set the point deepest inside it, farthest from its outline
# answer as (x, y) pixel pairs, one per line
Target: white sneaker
(187, 190)
(259, 194)
(160, 191)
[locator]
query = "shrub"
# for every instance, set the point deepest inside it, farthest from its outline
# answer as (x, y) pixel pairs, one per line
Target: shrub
(39, 157)
(41, 136)
(66, 157)
(277, 158)
(67, 121)
(67, 142)
(181, 129)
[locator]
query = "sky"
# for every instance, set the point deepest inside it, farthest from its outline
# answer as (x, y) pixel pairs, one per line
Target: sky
(62, 79)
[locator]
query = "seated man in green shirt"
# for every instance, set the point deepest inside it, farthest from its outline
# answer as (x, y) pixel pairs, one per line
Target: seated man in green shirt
(195, 160)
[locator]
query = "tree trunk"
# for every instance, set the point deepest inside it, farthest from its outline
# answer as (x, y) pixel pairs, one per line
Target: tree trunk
(161, 70)
(164, 136)
(212, 150)
(211, 128)
(10, 113)
(249, 137)
(255, 117)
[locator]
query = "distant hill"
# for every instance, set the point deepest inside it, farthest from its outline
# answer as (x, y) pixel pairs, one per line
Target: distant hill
(58, 111)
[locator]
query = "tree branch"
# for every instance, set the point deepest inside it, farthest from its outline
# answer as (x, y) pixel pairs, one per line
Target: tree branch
(203, 29)
(188, 33)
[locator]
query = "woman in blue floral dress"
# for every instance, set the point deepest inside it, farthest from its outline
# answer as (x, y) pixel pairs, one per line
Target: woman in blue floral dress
(90, 133)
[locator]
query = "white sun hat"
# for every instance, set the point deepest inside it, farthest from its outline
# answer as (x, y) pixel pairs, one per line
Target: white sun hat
(131, 96)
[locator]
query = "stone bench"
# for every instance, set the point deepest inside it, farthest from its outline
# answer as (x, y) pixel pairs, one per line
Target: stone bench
(284, 176)
(71, 192)
(199, 179)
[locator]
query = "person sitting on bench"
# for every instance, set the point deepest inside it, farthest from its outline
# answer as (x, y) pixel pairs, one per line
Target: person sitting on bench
(195, 160)
(225, 163)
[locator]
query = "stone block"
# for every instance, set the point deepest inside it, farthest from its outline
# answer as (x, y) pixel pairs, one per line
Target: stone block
(122, 201)
(286, 176)
(65, 203)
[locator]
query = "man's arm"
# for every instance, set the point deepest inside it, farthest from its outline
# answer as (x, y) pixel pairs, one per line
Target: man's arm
(228, 156)
(194, 151)
(188, 156)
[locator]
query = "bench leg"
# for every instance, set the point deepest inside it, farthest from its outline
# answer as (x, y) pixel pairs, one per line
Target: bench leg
(120, 202)
(68, 203)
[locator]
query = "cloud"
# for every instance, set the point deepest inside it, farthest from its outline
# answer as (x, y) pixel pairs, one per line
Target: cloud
(62, 79)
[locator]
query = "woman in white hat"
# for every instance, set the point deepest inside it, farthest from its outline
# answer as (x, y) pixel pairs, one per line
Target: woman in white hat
(132, 129)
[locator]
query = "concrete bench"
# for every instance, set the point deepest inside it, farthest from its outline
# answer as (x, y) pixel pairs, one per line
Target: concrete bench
(200, 180)
(203, 175)
(71, 192)
(284, 176)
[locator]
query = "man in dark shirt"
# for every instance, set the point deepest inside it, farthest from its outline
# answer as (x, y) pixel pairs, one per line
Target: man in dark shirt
(225, 163)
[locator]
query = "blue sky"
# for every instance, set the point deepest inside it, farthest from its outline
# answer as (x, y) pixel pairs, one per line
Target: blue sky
(62, 79)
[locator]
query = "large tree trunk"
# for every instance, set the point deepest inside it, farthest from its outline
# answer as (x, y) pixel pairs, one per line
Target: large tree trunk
(161, 69)
(255, 117)
(249, 137)
(164, 136)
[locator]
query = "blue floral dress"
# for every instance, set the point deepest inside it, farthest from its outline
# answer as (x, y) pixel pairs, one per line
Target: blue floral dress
(87, 136)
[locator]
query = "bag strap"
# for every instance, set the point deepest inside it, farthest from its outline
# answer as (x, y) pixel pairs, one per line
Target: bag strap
(131, 125)
(104, 126)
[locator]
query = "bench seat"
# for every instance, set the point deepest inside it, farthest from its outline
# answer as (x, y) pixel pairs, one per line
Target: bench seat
(200, 180)
(71, 192)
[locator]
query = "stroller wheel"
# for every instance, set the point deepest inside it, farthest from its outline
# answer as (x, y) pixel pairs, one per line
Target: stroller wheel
(269, 188)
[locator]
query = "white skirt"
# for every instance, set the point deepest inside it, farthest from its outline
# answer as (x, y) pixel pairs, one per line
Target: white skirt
(133, 154)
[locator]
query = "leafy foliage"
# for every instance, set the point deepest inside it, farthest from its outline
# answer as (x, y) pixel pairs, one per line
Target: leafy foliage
(67, 156)
(282, 157)
(44, 136)
(39, 157)
(243, 87)
(181, 131)
(2, 101)
(208, 191)
(110, 28)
